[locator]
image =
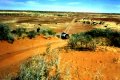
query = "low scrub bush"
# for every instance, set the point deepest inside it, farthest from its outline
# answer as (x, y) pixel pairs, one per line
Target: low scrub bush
(19, 31)
(101, 22)
(89, 40)
(47, 32)
(31, 34)
(111, 35)
(10, 38)
(5, 33)
(81, 42)
(86, 22)
(115, 41)
(96, 33)
(101, 41)
(94, 23)
(42, 67)
(8, 35)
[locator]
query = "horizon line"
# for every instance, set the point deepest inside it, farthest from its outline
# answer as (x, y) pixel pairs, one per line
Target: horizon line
(56, 11)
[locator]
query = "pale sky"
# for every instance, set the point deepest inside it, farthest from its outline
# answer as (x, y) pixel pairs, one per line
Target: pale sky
(102, 6)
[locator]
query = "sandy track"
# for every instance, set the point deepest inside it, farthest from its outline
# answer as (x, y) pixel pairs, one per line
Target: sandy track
(15, 57)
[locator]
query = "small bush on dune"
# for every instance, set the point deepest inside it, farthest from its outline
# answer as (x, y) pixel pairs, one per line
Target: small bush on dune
(47, 32)
(108, 33)
(32, 34)
(96, 33)
(8, 35)
(10, 38)
(81, 42)
(86, 22)
(115, 41)
(19, 31)
(35, 68)
(41, 67)
(111, 35)
(89, 40)
(50, 32)
(5, 33)
(101, 22)
(101, 41)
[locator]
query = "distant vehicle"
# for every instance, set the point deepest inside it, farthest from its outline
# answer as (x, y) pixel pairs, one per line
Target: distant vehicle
(65, 35)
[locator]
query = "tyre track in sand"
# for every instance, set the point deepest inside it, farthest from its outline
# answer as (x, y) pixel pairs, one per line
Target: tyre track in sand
(18, 56)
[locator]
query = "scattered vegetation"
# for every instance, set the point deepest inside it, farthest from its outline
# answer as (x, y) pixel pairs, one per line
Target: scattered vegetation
(41, 67)
(31, 34)
(89, 40)
(19, 31)
(93, 23)
(111, 35)
(81, 42)
(7, 34)
(101, 22)
(47, 32)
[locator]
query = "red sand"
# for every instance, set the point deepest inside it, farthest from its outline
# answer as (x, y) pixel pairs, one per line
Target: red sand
(84, 65)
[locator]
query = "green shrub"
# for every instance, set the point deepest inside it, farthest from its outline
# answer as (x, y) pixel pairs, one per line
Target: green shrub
(5, 33)
(102, 41)
(111, 35)
(47, 32)
(40, 67)
(10, 38)
(115, 41)
(96, 33)
(50, 32)
(94, 23)
(32, 34)
(87, 22)
(89, 40)
(19, 31)
(34, 69)
(81, 42)
(101, 22)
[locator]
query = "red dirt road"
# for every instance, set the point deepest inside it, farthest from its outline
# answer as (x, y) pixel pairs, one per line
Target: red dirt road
(20, 50)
